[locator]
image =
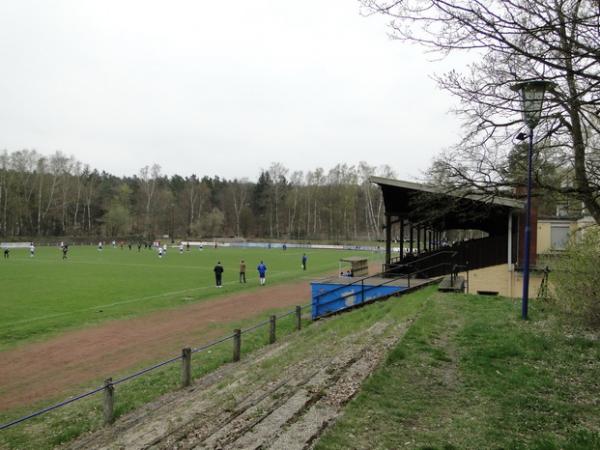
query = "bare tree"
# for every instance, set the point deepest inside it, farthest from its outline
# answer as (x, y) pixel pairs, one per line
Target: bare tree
(195, 194)
(90, 182)
(239, 192)
(5, 182)
(293, 197)
(148, 179)
(557, 40)
(278, 172)
(78, 174)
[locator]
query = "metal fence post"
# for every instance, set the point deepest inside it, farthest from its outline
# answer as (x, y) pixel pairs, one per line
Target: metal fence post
(237, 344)
(186, 367)
(109, 401)
(298, 318)
(272, 325)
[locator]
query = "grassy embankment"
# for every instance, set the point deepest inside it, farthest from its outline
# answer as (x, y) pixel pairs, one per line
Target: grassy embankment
(470, 374)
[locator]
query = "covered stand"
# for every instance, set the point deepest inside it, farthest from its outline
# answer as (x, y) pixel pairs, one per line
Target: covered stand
(419, 216)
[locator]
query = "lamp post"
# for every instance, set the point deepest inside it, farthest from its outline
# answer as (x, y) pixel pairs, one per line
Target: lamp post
(532, 99)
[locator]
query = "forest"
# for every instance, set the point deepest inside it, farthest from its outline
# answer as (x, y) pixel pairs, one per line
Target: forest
(57, 195)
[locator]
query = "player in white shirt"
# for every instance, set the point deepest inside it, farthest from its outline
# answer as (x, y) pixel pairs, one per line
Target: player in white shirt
(32, 250)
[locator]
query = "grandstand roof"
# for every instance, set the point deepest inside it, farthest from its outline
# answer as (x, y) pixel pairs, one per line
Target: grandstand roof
(443, 210)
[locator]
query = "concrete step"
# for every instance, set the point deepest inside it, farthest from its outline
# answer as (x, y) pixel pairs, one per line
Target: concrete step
(447, 284)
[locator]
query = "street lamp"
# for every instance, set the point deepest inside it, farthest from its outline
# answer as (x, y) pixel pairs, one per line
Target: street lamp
(532, 98)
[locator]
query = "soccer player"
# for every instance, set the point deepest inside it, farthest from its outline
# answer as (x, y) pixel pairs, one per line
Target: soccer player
(6, 252)
(304, 259)
(31, 250)
(160, 252)
(181, 247)
(100, 246)
(218, 274)
(262, 273)
(65, 249)
(242, 271)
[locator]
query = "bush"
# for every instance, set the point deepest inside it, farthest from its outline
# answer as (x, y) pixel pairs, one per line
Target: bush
(577, 278)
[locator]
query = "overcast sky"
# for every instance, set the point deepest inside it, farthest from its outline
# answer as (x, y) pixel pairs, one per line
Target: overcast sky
(217, 88)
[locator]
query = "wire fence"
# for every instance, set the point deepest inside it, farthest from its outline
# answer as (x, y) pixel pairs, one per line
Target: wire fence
(109, 384)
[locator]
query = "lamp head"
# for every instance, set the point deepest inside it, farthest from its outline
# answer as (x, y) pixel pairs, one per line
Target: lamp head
(532, 99)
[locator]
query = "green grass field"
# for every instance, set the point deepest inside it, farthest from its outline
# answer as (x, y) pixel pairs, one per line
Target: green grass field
(45, 295)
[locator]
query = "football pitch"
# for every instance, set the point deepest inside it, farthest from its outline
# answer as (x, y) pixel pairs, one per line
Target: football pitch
(44, 295)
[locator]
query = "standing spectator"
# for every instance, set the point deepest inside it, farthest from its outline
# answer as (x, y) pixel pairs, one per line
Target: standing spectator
(262, 273)
(242, 271)
(218, 274)
(304, 259)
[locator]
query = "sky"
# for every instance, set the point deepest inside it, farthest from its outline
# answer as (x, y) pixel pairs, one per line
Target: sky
(218, 88)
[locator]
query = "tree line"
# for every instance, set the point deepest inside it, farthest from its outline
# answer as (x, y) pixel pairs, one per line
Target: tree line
(58, 195)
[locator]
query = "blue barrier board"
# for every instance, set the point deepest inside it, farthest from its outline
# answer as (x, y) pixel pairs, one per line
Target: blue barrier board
(330, 296)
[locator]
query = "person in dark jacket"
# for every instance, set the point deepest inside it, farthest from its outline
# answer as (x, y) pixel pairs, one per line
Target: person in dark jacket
(218, 274)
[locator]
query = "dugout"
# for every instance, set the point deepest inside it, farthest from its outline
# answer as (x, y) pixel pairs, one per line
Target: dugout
(359, 265)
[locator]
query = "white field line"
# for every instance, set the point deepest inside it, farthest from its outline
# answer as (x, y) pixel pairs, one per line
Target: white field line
(148, 297)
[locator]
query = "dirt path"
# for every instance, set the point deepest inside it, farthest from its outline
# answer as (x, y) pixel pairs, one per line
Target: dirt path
(250, 405)
(64, 364)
